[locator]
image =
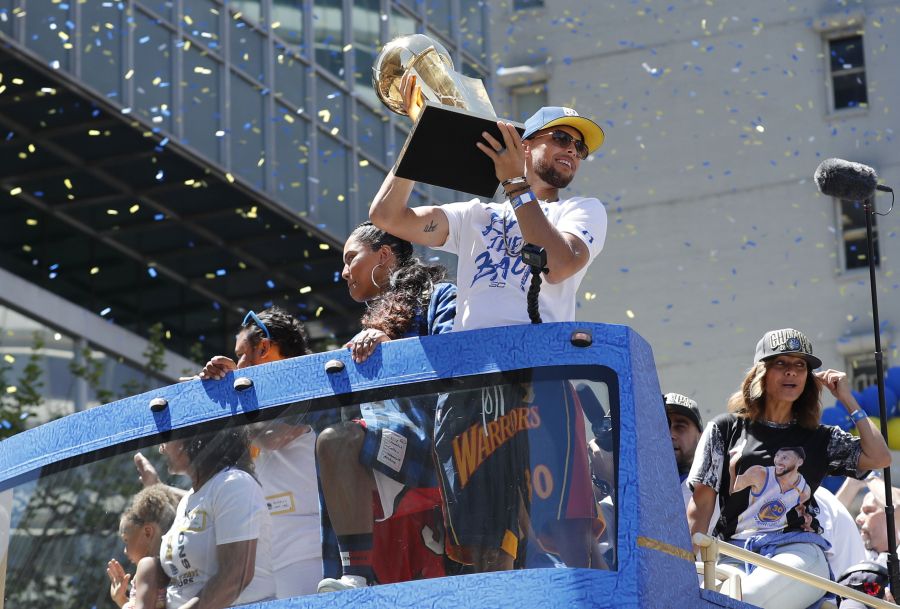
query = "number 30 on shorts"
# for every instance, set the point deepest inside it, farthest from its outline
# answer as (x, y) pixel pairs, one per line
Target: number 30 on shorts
(540, 481)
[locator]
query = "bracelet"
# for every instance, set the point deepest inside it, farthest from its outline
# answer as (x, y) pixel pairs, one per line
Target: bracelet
(517, 191)
(858, 415)
(516, 180)
(522, 199)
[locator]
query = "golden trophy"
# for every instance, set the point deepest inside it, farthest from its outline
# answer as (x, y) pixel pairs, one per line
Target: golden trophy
(440, 149)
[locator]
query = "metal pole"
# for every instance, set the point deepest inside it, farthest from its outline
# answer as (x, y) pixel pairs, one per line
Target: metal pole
(893, 566)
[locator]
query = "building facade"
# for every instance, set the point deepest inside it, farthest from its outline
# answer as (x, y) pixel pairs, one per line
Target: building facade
(179, 162)
(717, 115)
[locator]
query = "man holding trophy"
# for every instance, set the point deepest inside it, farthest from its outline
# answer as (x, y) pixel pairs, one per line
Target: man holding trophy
(492, 279)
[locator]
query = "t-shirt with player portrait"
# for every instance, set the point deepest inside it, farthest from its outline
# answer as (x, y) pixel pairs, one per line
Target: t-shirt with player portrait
(227, 509)
(492, 279)
(777, 470)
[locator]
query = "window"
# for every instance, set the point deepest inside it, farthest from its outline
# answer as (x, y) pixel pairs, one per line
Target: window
(848, 72)
(521, 5)
(862, 371)
(528, 100)
(852, 228)
(62, 525)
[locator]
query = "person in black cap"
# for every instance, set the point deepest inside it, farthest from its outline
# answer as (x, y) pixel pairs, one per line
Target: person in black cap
(773, 427)
(685, 427)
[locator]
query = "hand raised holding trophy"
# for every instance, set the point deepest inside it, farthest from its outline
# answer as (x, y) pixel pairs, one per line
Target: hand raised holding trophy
(414, 76)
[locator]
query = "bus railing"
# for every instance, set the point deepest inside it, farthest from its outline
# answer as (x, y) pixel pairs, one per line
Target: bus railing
(710, 548)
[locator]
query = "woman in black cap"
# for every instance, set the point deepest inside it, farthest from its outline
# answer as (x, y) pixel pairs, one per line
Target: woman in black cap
(764, 460)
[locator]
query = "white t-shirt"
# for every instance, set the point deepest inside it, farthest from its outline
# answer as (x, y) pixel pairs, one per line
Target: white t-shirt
(228, 508)
(492, 279)
(839, 528)
(288, 479)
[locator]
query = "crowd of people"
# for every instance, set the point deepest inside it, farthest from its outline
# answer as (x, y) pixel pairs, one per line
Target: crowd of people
(476, 480)
(753, 477)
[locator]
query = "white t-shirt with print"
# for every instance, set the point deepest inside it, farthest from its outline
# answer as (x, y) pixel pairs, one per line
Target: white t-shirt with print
(491, 278)
(227, 509)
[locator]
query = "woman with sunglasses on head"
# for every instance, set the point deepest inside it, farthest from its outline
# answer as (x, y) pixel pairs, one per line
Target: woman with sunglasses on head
(404, 298)
(764, 460)
(217, 553)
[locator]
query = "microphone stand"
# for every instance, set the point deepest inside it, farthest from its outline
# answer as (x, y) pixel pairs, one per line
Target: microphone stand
(893, 565)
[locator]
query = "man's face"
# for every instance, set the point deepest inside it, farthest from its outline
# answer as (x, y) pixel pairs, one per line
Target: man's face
(554, 164)
(786, 461)
(246, 354)
(872, 524)
(685, 437)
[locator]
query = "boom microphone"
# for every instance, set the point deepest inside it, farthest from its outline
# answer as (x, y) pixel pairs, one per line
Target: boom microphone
(847, 180)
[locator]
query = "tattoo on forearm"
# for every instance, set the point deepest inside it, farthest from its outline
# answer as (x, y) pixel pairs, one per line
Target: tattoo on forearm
(430, 227)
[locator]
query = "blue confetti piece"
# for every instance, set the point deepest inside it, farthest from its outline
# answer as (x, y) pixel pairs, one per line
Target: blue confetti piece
(270, 284)
(152, 272)
(221, 272)
(623, 270)
(159, 217)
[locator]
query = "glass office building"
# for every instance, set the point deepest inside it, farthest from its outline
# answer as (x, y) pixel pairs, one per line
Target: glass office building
(184, 161)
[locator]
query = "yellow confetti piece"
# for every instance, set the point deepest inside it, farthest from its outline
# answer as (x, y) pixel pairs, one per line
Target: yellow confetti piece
(261, 162)
(202, 70)
(242, 265)
(335, 130)
(93, 132)
(325, 115)
(188, 20)
(9, 358)
(31, 148)
(168, 334)
(134, 208)
(276, 25)
(630, 314)
(68, 183)
(18, 81)
(187, 45)
(306, 289)
(324, 247)
(288, 118)
(26, 248)
(229, 177)
(319, 311)
(10, 389)
(112, 212)
(31, 222)
(210, 275)
(129, 74)
(15, 191)
(348, 47)
(95, 270)
(364, 163)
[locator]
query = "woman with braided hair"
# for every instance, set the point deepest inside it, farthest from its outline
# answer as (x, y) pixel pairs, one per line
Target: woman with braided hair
(404, 298)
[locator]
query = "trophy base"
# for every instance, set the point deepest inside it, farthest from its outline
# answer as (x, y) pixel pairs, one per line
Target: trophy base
(441, 151)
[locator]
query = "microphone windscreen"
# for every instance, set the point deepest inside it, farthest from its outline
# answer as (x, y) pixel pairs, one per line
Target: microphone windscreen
(846, 180)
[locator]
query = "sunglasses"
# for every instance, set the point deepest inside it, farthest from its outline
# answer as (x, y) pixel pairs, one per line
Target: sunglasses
(252, 317)
(564, 140)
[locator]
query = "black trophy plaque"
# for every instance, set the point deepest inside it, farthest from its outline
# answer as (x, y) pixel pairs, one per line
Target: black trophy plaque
(440, 150)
